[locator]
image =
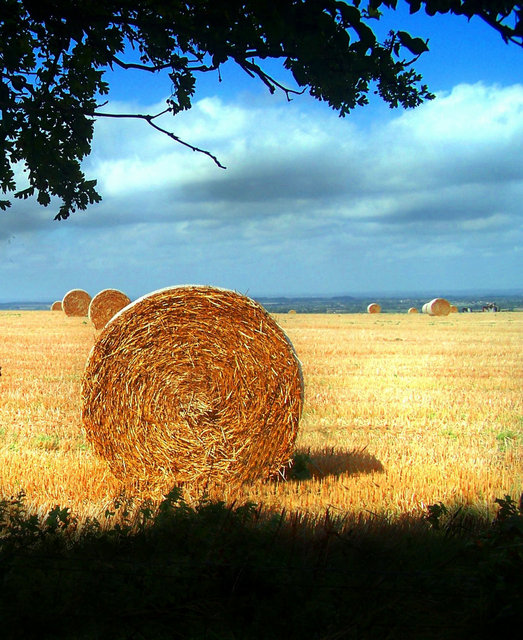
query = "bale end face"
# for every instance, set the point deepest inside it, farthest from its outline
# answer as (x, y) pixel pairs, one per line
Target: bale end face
(194, 383)
(105, 305)
(76, 303)
(373, 307)
(56, 306)
(437, 307)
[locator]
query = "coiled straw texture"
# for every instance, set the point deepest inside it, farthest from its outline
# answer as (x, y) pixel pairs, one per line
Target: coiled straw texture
(196, 384)
(374, 307)
(76, 303)
(437, 307)
(105, 305)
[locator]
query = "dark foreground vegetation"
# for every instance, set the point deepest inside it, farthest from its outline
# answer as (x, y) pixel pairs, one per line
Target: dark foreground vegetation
(236, 572)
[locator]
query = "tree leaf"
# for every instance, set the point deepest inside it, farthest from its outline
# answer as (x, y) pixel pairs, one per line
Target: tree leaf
(417, 46)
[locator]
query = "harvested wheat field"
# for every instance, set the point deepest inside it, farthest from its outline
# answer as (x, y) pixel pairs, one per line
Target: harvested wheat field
(401, 411)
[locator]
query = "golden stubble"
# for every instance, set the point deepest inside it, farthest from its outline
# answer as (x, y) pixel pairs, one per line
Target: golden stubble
(400, 411)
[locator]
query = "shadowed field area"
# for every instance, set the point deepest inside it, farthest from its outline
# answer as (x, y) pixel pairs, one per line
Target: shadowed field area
(217, 571)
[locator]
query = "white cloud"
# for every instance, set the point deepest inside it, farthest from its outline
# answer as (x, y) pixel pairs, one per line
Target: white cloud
(303, 189)
(471, 136)
(469, 114)
(495, 221)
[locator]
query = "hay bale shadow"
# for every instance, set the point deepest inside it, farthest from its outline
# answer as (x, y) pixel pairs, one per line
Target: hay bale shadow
(309, 463)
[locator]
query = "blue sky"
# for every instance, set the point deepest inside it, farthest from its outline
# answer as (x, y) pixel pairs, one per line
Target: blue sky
(383, 201)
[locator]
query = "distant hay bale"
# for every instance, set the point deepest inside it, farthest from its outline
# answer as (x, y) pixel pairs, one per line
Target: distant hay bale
(105, 305)
(193, 383)
(56, 306)
(437, 307)
(373, 307)
(412, 310)
(453, 308)
(292, 310)
(76, 303)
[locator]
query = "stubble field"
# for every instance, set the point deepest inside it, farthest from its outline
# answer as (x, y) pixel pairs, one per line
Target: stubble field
(401, 411)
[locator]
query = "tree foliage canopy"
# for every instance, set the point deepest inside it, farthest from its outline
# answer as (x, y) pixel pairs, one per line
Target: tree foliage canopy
(54, 54)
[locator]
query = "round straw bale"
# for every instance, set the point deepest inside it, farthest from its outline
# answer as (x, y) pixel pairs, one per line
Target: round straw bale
(453, 308)
(373, 307)
(412, 310)
(292, 310)
(56, 306)
(76, 302)
(193, 383)
(437, 307)
(105, 305)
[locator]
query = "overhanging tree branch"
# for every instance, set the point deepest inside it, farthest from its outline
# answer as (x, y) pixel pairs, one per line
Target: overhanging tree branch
(53, 56)
(162, 67)
(508, 34)
(255, 70)
(149, 119)
(140, 67)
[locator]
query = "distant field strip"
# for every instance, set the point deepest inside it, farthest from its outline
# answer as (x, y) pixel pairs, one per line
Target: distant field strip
(401, 411)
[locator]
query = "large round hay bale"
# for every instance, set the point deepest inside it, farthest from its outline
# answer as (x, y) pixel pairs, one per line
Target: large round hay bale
(412, 310)
(193, 383)
(374, 307)
(437, 307)
(105, 305)
(76, 302)
(56, 306)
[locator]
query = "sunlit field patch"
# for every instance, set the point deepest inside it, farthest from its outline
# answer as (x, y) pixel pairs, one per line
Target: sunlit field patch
(401, 411)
